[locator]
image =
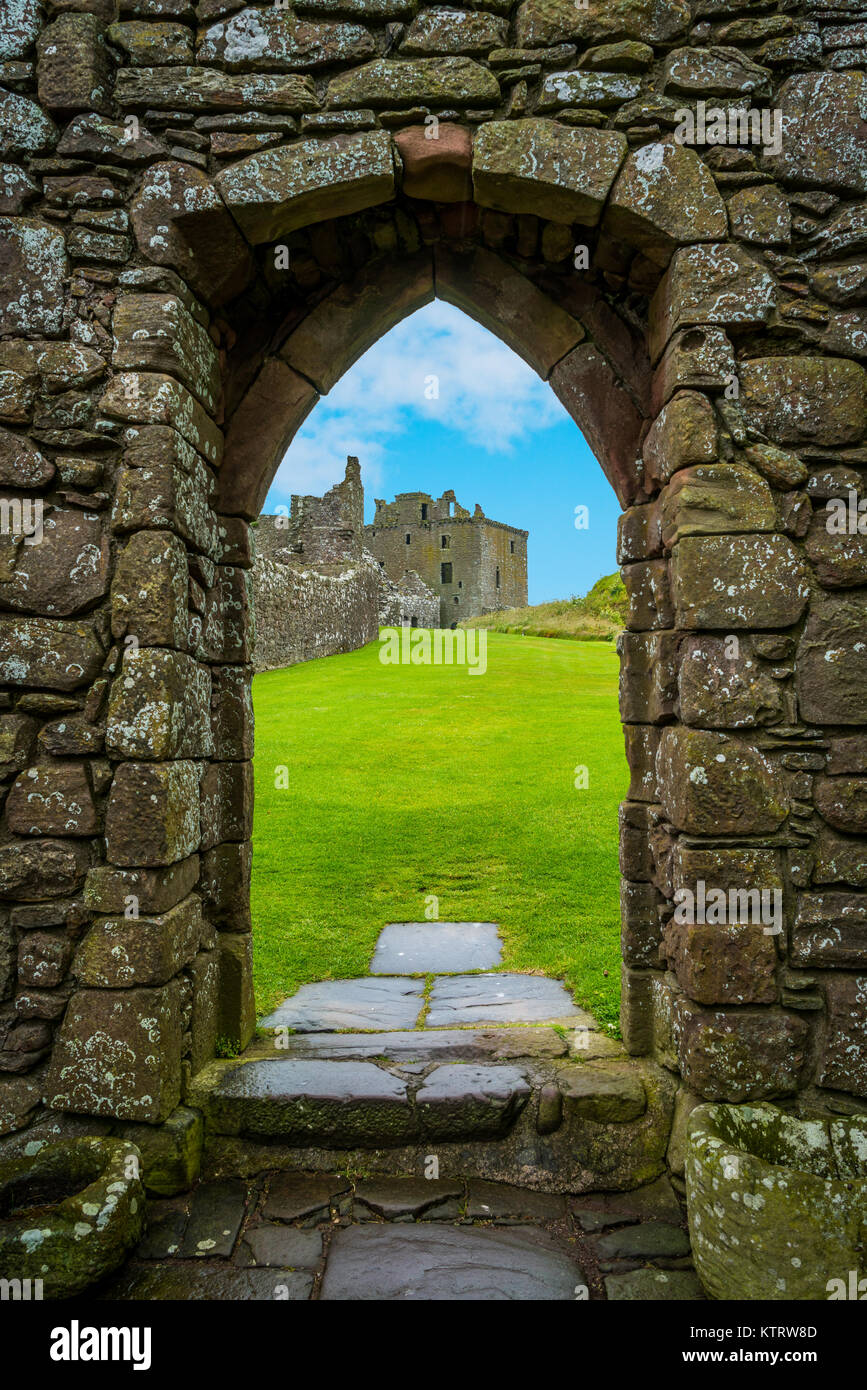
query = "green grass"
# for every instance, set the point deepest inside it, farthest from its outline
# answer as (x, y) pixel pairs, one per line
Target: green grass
(598, 616)
(405, 781)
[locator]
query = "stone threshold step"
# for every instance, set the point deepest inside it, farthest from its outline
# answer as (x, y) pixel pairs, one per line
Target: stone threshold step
(422, 1046)
(352, 1103)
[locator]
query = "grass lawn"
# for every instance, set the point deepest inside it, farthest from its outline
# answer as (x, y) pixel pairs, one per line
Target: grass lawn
(405, 781)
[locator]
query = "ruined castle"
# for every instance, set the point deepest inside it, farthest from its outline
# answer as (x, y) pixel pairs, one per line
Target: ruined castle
(316, 590)
(474, 564)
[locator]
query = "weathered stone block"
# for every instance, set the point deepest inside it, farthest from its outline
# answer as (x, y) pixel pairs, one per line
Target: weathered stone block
(43, 958)
(843, 802)
(554, 171)
(24, 130)
(805, 400)
(714, 284)
(149, 592)
(66, 571)
(227, 803)
(544, 22)
(840, 859)
(73, 68)
(638, 534)
(684, 433)
(159, 707)
(17, 734)
(831, 664)
(636, 856)
(436, 169)
(153, 814)
(442, 30)
(119, 952)
(648, 587)
(743, 1054)
(180, 220)
(605, 1095)
(713, 785)
(273, 40)
(19, 25)
(208, 89)
(665, 197)
(713, 499)
(32, 267)
(37, 869)
(52, 799)
(642, 741)
(388, 82)
(723, 690)
(237, 1013)
(761, 215)
(765, 584)
(714, 72)
(843, 1064)
(587, 89)
(824, 131)
(98, 137)
(227, 629)
(232, 712)
(831, 930)
(698, 357)
(204, 972)
(648, 676)
(154, 891)
(171, 1153)
(225, 885)
(636, 1010)
(273, 193)
(151, 43)
(157, 496)
(118, 1053)
(839, 558)
(47, 654)
(725, 869)
(155, 332)
(640, 927)
(729, 963)
(152, 398)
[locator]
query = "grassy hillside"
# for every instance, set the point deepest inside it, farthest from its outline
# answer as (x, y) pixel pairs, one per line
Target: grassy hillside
(598, 616)
(406, 781)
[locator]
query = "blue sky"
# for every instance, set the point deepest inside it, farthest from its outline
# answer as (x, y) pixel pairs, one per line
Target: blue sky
(440, 402)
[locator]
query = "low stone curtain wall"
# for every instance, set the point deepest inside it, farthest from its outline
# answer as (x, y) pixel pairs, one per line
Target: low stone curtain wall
(205, 217)
(303, 614)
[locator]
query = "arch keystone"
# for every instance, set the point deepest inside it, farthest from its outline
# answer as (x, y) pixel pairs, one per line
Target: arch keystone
(281, 190)
(558, 172)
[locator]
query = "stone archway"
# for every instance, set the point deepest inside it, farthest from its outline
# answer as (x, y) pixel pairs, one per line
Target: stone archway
(708, 352)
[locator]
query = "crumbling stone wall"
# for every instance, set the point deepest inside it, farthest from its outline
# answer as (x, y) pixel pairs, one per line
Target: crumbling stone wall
(410, 603)
(205, 217)
(475, 565)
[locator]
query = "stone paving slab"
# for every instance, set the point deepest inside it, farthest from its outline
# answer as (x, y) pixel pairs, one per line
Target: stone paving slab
(296, 1196)
(436, 948)
(441, 1045)
(215, 1218)
(200, 1281)
(393, 1198)
(650, 1240)
(500, 1201)
(436, 1263)
(463, 999)
(367, 1004)
(281, 1247)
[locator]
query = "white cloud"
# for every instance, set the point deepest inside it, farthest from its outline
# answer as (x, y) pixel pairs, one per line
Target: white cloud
(483, 390)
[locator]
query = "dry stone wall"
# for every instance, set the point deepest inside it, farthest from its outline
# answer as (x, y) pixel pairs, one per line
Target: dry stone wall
(206, 214)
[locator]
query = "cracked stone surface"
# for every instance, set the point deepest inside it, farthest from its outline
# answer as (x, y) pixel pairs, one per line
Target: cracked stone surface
(334, 1004)
(504, 998)
(415, 1264)
(435, 948)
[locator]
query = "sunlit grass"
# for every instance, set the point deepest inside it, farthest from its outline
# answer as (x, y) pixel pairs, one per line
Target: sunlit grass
(410, 781)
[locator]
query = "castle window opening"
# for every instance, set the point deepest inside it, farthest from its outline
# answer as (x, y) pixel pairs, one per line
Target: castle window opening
(498, 578)
(408, 538)
(445, 542)
(424, 511)
(511, 547)
(446, 572)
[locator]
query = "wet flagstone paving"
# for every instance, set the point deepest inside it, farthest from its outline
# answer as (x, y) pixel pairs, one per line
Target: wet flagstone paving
(289, 1236)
